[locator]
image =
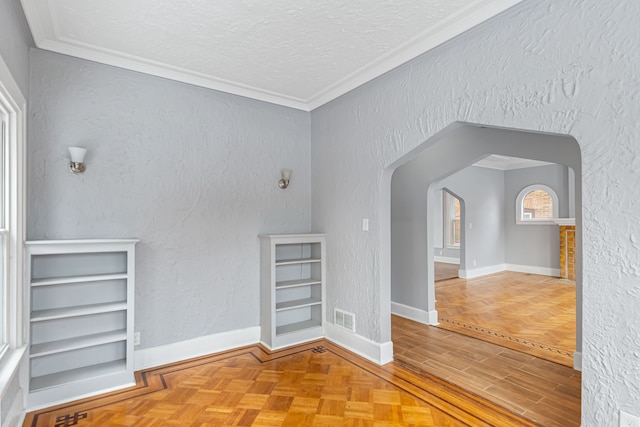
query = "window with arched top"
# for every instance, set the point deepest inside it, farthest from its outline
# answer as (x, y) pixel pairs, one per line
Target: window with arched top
(536, 204)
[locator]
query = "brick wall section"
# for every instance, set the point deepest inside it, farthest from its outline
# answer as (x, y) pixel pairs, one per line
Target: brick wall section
(539, 203)
(568, 252)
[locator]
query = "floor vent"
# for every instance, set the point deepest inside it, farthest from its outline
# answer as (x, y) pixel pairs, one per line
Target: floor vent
(344, 319)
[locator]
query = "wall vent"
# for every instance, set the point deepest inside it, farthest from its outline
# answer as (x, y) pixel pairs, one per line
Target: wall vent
(344, 319)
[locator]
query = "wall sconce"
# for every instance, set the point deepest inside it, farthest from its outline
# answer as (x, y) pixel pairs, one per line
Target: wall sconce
(286, 177)
(76, 165)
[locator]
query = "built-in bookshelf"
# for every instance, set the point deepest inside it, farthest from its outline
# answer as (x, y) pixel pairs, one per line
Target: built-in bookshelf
(292, 288)
(81, 295)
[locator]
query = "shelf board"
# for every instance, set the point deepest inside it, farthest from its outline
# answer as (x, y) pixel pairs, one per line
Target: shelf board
(82, 310)
(54, 347)
(298, 326)
(77, 279)
(299, 303)
(295, 283)
(79, 374)
(297, 261)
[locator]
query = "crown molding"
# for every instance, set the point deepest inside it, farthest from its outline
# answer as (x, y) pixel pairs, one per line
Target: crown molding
(43, 28)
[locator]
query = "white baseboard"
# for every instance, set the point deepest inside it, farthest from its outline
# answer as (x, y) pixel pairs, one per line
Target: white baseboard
(482, 271)
(492, 269)
(577, 361)
(379, 353)
(446, 259)
(174, 352)
(415, 314)
(532, 269)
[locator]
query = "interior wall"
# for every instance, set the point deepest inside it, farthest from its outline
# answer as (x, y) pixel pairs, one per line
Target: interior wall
(534, 245)
(15, 41)
(563, 67)
(483, 192)
(193, 173)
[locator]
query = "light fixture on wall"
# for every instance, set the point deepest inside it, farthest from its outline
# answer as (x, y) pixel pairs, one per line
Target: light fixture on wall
(76, 165)
(286, 177)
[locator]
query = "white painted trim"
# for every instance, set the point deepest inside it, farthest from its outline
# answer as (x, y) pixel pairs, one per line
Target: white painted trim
(43, 29)
(415, 314)
(536, 221)
(175, 352)
(577, 361)
(482, 271)
(564, 221)
(379, 353)
(532, 269)
(17, 412)
(492, 269)
(446, 259)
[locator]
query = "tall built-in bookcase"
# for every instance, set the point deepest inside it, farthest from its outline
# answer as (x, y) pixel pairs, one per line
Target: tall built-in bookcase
(81, 300)
(292, 288)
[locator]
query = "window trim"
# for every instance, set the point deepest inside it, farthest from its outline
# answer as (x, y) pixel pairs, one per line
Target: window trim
(13, 105)
(536, 221)
(449, 218)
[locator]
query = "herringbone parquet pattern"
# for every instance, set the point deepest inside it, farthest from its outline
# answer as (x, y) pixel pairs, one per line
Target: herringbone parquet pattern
(317, 384)
(525, 312)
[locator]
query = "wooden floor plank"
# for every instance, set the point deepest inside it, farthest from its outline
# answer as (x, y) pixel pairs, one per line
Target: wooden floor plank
(540, 390)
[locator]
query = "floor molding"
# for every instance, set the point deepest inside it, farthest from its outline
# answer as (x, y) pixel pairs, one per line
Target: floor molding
(446, 259)
(482, 271)
(577, 361)
(532, 269)
(415, 314)
(175, 352)
(379, 353)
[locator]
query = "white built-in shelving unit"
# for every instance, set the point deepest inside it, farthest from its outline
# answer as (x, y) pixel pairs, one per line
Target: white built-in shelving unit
(292, 288)
(81, 295)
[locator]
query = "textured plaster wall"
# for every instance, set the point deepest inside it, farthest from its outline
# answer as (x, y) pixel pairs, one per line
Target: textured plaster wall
(190, 172)
(568, 67)
(535, 245)
(15, 41)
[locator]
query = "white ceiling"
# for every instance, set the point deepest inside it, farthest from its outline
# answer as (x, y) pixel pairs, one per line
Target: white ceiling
(505, 163)
(297, 53)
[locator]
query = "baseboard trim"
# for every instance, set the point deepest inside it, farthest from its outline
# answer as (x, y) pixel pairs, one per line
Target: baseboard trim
(446, 259)
(482, 271)
(175, 352)
(492, 269)
(379, 353)
(532, 269)
(415, 314)
(577, 361)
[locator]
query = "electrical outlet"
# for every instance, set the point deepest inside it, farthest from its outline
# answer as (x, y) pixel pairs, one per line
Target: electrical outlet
(628, 420)
(136, 338)
(365, 224)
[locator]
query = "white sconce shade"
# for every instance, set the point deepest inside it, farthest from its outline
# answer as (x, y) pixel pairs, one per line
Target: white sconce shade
(76, 165)
(286, 177)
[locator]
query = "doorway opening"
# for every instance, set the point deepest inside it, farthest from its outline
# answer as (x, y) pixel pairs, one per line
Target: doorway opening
(414, 188)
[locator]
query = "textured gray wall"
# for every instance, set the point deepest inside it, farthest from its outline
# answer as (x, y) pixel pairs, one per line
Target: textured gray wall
(482, 191)
(190, 172)
(565, 67)
(15, 41)
(534, 245)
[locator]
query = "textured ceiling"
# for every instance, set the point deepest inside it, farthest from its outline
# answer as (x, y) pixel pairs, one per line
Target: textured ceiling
(298, 53)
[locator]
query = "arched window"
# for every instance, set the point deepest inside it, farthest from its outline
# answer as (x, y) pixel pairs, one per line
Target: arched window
(536, 204)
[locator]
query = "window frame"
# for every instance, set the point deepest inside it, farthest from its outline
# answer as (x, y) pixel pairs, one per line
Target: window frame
(520, 218)
(13, 107)
(449, 220)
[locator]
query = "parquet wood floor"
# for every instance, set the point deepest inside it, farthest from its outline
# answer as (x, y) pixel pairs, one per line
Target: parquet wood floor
(525, 312)
(316, 384)
(542, 391)
(445, 271)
